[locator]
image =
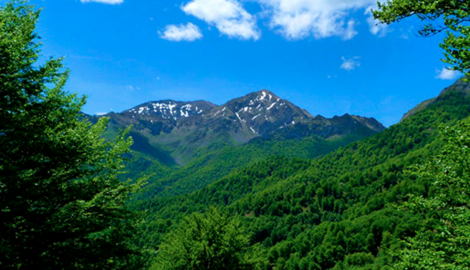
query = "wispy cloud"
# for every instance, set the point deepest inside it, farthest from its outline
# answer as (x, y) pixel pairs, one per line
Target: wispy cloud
(375, 27)
(101, 113)
(297, 19)
(132, 88)
(111, 2)
(351, 63)
(188, 32)
(447, 74)
(228, 16)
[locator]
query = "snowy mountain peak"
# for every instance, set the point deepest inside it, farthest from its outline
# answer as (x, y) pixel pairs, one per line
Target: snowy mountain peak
(189, 125)
(169, 109)
(260, 112)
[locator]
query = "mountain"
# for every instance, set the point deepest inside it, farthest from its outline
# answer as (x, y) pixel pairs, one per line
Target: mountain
(336, 211)
(460, 86)
(178, 132)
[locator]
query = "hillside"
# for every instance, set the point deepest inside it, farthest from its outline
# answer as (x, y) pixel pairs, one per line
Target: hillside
(460, 86)
(329, 212)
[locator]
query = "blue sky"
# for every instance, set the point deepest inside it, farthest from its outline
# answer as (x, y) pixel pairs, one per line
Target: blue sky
(325, 56)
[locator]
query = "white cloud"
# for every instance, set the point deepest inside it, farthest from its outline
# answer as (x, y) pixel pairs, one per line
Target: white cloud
(375, 27)
(189, 32)
(101, 113)
(228, 16)
(296, 19)
(447, 74)
(111, 2)
(405, 33)
(350, 64)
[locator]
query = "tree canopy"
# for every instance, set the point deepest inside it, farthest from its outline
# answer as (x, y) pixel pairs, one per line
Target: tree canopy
(208, 241)
(62, 205)
(451, 16)
(443, 241)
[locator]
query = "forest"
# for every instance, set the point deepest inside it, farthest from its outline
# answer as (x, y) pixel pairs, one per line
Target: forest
(73, 195)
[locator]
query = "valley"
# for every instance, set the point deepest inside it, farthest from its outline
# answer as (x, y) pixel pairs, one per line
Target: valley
(192, 171)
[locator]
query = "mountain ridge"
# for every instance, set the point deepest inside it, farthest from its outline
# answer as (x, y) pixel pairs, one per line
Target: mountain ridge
(180, 129)
(459, 86)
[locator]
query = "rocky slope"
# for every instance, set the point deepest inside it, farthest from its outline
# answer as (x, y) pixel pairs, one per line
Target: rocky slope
(180, 131)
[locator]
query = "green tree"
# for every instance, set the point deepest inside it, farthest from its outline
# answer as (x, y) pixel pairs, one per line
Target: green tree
(208, 241)
(444, 241)
(62, 205)
(455, 15)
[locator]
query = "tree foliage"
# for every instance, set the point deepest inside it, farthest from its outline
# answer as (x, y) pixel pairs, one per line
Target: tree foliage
(62, 205)
(208, 241)
(455, 15)
(444, 241)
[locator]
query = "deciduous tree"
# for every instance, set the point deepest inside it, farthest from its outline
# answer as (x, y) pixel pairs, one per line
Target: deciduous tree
(444, 241)
(450, 16)
(62, 205)
(208, 241)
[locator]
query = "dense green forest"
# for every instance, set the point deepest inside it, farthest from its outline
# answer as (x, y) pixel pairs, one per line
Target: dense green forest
(74, 196)
(335, 211)
(220, 162)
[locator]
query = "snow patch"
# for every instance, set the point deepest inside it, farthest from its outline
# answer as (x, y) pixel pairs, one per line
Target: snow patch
(263, 95)
(238, 117)
(184, 114)
(163, 108)
(272, 105)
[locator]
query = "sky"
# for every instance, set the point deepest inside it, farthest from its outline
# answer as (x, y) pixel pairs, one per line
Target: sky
(326, 56)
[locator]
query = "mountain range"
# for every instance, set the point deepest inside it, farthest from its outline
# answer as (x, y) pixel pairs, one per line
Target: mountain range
(175, 132)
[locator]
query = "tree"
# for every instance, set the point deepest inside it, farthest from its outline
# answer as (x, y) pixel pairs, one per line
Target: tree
(455, 14)
(208, 241)
(444, 241)
(62, 205)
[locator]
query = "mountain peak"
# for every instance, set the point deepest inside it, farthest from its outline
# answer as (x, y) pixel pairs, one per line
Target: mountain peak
(460, 86)
(263, 95)
(184, 127)
(170, 109)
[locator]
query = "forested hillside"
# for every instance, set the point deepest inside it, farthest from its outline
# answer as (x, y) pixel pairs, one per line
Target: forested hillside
(255, 184)
(311, 138)
(330, 212)
(220, 162)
